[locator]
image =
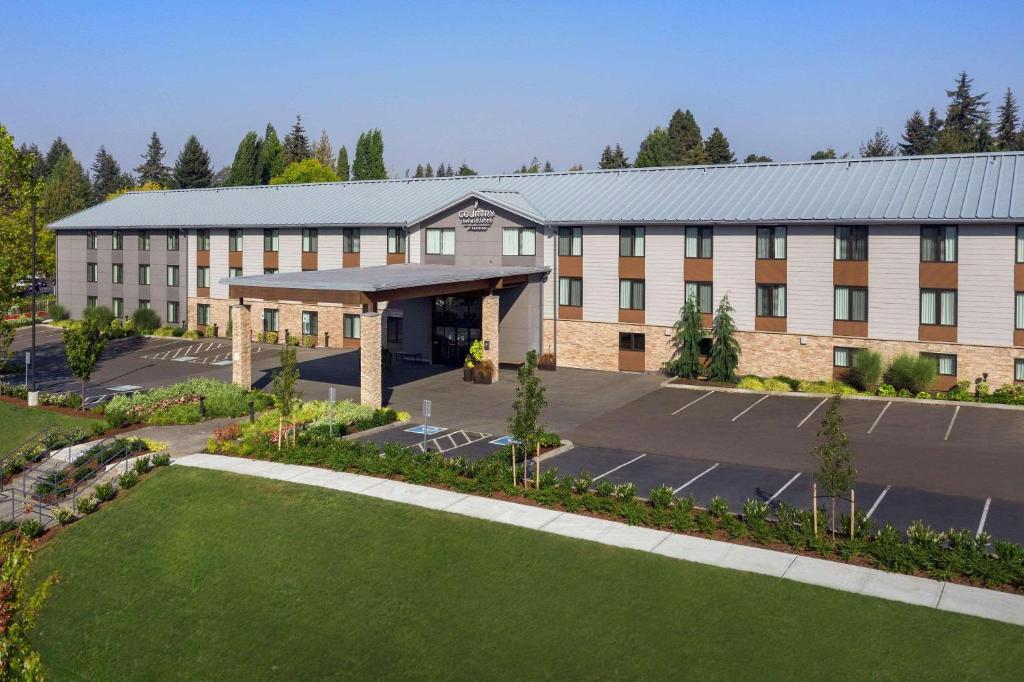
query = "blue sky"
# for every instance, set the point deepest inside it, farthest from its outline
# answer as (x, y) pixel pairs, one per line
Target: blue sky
(492, 84)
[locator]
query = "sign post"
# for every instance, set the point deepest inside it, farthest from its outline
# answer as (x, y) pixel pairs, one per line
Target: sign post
(28, 361)
(330, 411)
(426, 416)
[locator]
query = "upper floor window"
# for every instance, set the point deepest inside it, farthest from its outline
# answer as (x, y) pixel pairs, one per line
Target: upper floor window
(631, 294)
(1019, 308)
(570, 241)
(440, 241)
(938, 243)
(631, 241)
(144, 276)
(271, 240)
(702, 293)
(117, 273)
(771, 242)
(519, 241)
(938, 306)
(234, 240)
(570, 291)
(771, 300)
(143, 241)
(172, 240)
(91, 240)
(203, 277)
(350, 240)
(309, 235)
(91, 272)
(699, 242)
(396, 240)
(851, 304)
(1020, 243)
(202, 240)
(116, 240)
(851, 242)
(172, 275)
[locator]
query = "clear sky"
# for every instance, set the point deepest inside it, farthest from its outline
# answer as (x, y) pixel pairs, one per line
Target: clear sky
(492, 84)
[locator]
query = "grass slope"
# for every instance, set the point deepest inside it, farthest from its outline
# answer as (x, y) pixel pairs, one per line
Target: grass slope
(207, 575)
(17, 424)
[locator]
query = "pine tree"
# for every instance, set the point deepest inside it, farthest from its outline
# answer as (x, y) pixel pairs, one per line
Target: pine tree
(918, 136)
(67, 190)
(1008, 138)
(192, 169)
(152, 168)
(419, 171)
(534, 167)
(836, 472)
(58, 149)
(966, 124)
(464, 169)
(613, 158)
(685, 144)
(343, 170)
(725, 350)
(296, 144)
(823, 154)
(441, 172)
(757, 158)
(653, 150)
(245, 169)
(877, 145)
(107, 177)
(429, 171)
(718, 149)
(689, 331)
(323, 151)
(548, 168)
(271, 156)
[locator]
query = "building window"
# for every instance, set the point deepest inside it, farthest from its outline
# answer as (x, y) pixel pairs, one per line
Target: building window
(519, 241)
(203, 276)
(699, 242)
(144, 276)
(309, 240)
(350, 326)
(570, 241)
(116, 240)
(938, 306)
(396, 240)
(1018, 369)
(309, 323)
(350, 240)
(270, 319)
(702, 291)
(144, 304)
(771, 300)
(631, 294)
(172, 312)
(234, 272)
(771, 242)
(395, 331)
(945, 364)
(234, 240)
(938, 243)
(117, 307)
(851, 242)
(172, 240)
(172, 275)
(1019, 311)
(631, 341)
(90, 301)
(91, 272)
(271, 240)
(631, 242)
(269, 271)
(143, 241)
(570, 291)
(117, 273)
(843, 357)
(440, 241)
(1020, 243)
(202, 240)
(91, 240)
(203, 313)
(851, 304)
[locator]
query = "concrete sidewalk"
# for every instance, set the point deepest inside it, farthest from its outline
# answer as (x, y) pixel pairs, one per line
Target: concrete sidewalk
(974, 601)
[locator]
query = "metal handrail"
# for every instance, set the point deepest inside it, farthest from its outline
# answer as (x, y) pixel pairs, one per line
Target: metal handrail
(62, 492)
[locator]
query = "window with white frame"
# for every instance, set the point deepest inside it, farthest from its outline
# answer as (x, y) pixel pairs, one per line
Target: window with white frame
(631, 242)
(699, 242)
(144, 304)
(91, 301)
(570, 291)
(771, 242)
(702, 292)
(771, 300)
(570, 241)
(851, 304)
(631, 294)
(938, 306)
(91, 240)
(309, 323)
(519, 241)
(938, 243)
(440, 241)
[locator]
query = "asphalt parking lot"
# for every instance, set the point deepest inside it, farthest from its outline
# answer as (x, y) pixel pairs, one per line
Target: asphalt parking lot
(449, 441)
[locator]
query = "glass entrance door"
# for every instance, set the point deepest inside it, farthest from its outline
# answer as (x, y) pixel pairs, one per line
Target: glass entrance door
(456, 326)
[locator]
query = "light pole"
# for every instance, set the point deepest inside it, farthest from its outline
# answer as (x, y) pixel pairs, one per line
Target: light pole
(33, 396)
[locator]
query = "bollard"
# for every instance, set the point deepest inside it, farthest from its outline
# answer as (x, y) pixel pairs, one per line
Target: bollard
(853, 512)
(252, 412)
(326, 337)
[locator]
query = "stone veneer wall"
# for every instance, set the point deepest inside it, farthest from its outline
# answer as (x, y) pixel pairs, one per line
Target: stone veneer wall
(329, 317)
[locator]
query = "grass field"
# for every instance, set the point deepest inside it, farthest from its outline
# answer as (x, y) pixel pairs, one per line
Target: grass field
(207, 575)
(17, 424)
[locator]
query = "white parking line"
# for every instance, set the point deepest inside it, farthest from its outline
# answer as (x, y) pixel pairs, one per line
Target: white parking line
(951, 422)
(802, 421)
(984, 515)
(692, 402)
(612, 471)
(877, 502)
(779, 491)
(761, 399)
(879, 417)
(703, 473)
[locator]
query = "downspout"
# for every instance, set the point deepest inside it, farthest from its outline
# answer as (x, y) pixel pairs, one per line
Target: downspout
(554, 300)
(188, 275)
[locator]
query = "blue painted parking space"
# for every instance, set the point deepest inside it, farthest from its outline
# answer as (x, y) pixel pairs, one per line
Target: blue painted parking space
(451, 442)
(425, 430)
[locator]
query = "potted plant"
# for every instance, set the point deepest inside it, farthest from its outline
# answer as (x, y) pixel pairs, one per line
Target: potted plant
(474, 358)
(547, 362)
(483, 372)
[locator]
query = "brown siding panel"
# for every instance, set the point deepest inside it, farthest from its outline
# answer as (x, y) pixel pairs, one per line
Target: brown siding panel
(1018, 337)
(202, 258)
(570, 312)
(309, 261)
(631, 361)
(936, 332)
(395, 258)
(270, 259)
(570, 266)
(849, 328)
(631, 267)
(767, 271)
(350, 260)
(699, 269)
(631, 316)
(938, 275)
(770, 324)
(1018, 276)
(203, 292)
(234, 259)
(850, 273)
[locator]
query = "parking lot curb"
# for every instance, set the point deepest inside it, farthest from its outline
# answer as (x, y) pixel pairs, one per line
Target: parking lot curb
(868, 582)
(566, 446)
(370, 432)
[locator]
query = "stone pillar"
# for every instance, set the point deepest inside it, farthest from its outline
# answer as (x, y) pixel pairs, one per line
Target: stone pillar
(489, 330)
(241, 345)
(370, 386)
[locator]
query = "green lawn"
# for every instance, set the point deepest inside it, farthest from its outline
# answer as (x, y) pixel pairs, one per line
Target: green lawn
(207, 575)
(17, 424)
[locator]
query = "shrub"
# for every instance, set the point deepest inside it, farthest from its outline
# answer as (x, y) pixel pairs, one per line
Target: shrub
(308, 341)
(793, 383)
(32, 528)
(825, 387)
(57, 312)
(911, 373)
(7, 526)
(145, 320)
(87, 504)
(581, 484)
(865, 371)
(128, 479)
(231, 431)
(923, 395)
(719, 507)
(192, 334)
(99, 315)
(142, 465)
(777, 386)
(605, 488)
(660, 497)
(179, 403)
(165, 331)
(105, 492)
(626, 492)
(751, 383)
(886, 391)
(270, 337)
(64, 515)
(161, 460)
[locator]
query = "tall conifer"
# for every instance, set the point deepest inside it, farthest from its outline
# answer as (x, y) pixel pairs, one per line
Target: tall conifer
(107, 177)
(271, 156)
(718, 149)
(1008, 137)
(296, 144)
(343, 170)
(245, 169)
(192, 168)
(613, 158)
(152, 168)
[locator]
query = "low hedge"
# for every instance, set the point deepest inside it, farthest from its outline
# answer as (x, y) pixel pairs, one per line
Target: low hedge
(63, 399)
(179, 403)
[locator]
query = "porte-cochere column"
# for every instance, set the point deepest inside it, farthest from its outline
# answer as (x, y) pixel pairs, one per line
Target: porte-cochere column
(370, 385)
(489, 329)
(241, 346)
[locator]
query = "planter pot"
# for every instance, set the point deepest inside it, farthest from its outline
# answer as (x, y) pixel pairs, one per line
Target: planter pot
(467, 374)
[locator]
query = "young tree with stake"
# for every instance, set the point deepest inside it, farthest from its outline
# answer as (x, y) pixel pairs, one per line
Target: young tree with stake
(836, 472)
(524, 425)
(83, 346)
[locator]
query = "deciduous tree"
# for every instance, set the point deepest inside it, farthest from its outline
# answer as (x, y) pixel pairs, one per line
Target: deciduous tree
(525, 425)
(83, 345)
(285, 378)
(836, 473)
(823, 154)
(309, 170)
(654, 150)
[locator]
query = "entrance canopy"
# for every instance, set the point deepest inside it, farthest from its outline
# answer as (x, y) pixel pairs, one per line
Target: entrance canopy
(369, 286)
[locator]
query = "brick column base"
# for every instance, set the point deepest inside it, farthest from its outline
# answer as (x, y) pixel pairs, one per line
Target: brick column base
(489, 331)
(370, 384)
(241, 346)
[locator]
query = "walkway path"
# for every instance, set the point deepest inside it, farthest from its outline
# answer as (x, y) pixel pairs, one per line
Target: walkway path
(973, 601)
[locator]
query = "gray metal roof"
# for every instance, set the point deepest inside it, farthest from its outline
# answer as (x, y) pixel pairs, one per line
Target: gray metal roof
(382, 277)
(961, 187)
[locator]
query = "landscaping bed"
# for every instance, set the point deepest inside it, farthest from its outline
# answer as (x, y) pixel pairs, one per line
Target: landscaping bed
(58, 483)
(180, 403)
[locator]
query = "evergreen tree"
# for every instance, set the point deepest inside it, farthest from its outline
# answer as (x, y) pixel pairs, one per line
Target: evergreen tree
(107, 177)
(918, 136)
(685, 144)
(823, 154)
(534, 167)
(192, 169)
(966, 126)
(152, 168)
(343, 170)
(548, 168)
(1008, 138)
(877, 145)
(613, 158)
(464, 169)
(689, 330)
(271, 156)
(718, 149)
(725, 350)
(653, 150)
(378, 171)
(576, 168)
(757, 158)
(66, 190)
(296, 144)
(836, 473)
(323, 151)
(58, 149)
(34, 159)
(369, 161)
(419, 171)
(441, 172)
(428, 171)
(245, 169)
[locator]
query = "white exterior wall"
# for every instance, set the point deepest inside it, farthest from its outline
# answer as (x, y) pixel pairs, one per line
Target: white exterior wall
(412, 245)
(809, 255)
(218, 263)
(252, 252)
(601, 274)
(329, 245)
(373, 246)
(289, 259)
(549, 249)
(733, 252)
(663, 270)
(985, 302)
(894, 256)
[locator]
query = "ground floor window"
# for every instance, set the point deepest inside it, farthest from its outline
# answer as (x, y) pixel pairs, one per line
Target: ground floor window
(843, 357)
(1018, 369)
(234, 272)
(394, 330)
(203, 313)
(631, 294)
(117, 306)
(570, 291)
(172, 312)
(945, 363)
(269, 271)
(771, 300)
(90, 301)
(309, 323)
(270, 319)
(702, 291)
(351, 326)
(631, 341)
(440, 241)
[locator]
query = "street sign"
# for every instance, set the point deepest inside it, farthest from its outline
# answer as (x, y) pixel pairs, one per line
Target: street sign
(426, 415)
(28, 357)
(331, 395)
(330, 410)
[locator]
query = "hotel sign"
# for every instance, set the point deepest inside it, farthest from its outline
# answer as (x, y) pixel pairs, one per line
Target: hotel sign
(476, 218)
